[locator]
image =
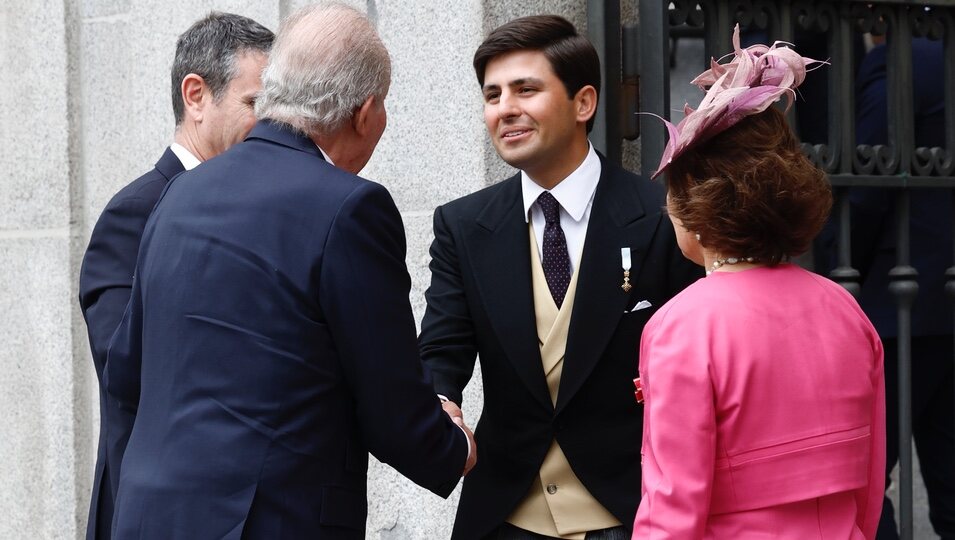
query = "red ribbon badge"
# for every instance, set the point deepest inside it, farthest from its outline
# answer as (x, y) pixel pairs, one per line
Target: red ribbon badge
(639, 392)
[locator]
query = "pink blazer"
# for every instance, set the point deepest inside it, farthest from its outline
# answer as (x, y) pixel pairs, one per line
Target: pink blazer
(764, 411)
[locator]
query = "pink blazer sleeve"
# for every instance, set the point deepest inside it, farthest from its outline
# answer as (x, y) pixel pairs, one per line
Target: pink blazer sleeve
(679, 435)
(869, 499)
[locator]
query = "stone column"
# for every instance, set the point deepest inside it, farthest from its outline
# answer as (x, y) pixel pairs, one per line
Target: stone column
(44, 449)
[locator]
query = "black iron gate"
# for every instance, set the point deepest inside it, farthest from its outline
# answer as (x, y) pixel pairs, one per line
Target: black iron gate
(636, 63)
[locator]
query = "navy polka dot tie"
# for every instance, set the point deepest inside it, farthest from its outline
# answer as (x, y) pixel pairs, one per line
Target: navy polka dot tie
(556, 262)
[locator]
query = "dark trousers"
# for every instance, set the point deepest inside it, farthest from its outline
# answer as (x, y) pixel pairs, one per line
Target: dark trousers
(510, 532)
(933, 428)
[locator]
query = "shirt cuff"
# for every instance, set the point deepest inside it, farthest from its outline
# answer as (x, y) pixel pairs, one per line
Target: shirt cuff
(468, 439)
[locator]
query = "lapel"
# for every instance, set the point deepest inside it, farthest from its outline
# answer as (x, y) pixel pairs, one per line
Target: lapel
(615, 222)
(501, 262)
(169, 165)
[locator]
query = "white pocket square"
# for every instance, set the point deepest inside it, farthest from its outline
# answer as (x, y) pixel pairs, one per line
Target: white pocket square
(642, 304)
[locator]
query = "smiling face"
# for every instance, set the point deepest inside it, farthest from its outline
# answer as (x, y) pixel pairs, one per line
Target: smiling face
(532, 122)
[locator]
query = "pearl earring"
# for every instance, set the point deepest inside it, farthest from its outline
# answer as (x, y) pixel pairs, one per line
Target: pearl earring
(697, 235)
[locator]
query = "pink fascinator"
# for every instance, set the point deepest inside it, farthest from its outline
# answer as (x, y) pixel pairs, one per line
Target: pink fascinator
(748, 84)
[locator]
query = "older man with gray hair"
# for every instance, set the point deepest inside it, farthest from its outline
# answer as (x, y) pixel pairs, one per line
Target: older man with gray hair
(269, 344)
(215, 78)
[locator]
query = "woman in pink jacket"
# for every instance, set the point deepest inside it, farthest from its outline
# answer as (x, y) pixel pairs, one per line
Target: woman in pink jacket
(763, 383)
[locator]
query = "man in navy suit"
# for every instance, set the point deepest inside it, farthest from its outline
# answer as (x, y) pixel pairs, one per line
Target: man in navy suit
(269, 344)
(215, 77)
(548, 277)
(874, 254)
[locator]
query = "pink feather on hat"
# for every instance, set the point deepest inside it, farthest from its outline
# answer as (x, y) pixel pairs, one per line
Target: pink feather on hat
(754, 79)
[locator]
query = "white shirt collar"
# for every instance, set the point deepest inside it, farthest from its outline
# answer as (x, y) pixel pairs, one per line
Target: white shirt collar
(324, 155)
(188, 160)
(573, 193)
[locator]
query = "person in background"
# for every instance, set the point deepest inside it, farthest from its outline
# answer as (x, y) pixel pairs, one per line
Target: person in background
(215, 78)
(763, 383)
(873, 244)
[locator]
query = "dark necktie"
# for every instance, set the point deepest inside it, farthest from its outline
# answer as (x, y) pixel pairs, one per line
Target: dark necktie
(556, 262)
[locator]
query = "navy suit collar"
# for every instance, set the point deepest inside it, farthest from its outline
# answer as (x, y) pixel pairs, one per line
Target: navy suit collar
(284, 134)
(501, 262)
(503, 205)
(169, 165)
(623, 204)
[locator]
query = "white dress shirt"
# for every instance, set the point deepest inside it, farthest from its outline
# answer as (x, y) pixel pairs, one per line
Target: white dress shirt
(188, 160)
(576, 197)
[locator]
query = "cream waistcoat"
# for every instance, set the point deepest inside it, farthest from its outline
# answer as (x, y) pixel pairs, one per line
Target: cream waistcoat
(557, 504)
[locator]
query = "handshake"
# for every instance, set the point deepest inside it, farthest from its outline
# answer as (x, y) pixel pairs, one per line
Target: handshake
(457, 416)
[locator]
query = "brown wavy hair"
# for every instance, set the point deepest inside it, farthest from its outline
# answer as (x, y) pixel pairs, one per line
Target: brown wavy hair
(750, 191)
(571, 55)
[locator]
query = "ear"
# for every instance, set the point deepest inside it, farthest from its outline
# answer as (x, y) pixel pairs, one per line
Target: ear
(585, 103)
(361, 121)
(195, 94)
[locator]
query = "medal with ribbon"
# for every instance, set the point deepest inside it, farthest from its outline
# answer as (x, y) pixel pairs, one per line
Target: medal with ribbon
(625, 263)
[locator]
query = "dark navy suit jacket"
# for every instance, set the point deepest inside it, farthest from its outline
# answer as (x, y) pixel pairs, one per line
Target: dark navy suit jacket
(873, 209)
(106, 278)
(269, 345)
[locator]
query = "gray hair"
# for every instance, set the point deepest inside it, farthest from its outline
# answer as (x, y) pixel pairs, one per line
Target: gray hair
(327, 61)
(210, 47)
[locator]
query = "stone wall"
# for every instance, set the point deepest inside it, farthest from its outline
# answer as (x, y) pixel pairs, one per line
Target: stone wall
(45, 424)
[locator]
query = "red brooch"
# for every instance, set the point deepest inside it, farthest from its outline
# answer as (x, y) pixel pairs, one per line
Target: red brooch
(639, 392)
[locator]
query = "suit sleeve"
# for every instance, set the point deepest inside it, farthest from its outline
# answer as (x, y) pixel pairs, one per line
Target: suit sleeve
(364, 292)
(121, 379)
(106, 276)
(679, 438)
(869, 499)
(447, 340)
